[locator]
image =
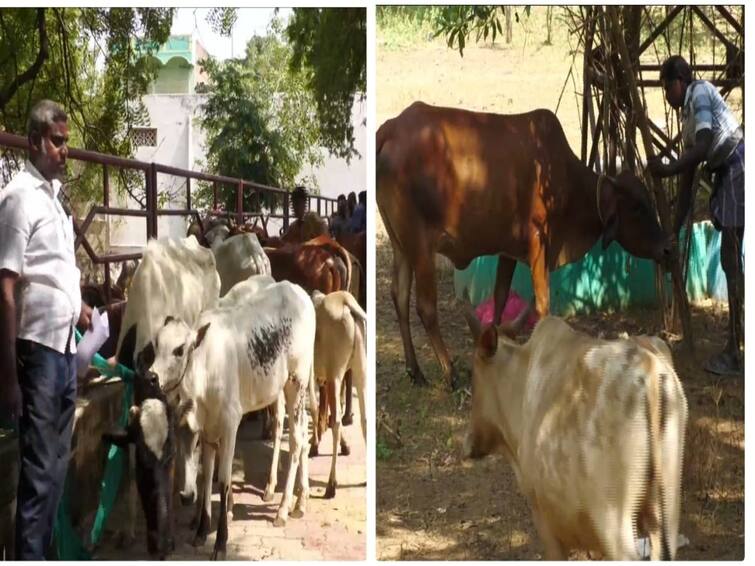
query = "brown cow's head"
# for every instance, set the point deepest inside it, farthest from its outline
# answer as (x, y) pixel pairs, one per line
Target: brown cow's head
(151, 428)
(629, 218)
(498, 365)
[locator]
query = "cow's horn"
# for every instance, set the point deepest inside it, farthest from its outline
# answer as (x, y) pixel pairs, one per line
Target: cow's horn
(512, 328)
(471, 318)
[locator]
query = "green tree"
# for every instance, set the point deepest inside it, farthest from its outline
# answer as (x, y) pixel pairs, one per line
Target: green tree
(259, 117)
(329, 48)
(459, 23)
(94, 61)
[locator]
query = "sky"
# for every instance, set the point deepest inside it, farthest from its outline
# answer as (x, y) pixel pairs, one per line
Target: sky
(250, 22)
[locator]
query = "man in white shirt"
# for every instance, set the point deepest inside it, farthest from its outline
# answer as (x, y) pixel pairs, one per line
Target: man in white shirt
(40, 302)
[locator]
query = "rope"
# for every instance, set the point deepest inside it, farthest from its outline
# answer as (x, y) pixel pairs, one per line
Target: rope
(67, 541)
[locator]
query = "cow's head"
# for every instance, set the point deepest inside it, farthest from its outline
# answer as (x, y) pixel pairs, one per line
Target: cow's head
(497, 367)
(171, 353)
(629, 218)
(188, 438)
(151, 429)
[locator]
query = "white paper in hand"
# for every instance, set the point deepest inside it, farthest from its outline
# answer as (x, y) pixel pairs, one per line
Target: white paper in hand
(92, 340)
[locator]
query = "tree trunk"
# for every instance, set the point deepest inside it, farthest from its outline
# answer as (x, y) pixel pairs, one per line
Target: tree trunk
(680, 295)
(549, 24)
(508, 10)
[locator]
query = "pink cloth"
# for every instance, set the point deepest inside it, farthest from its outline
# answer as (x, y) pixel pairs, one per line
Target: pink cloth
(514, 305)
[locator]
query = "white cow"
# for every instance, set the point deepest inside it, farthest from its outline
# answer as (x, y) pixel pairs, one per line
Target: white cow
(175, 278)
(239, 360)
(594, 430)
(243, 291)
(339, 347)
(237, 258)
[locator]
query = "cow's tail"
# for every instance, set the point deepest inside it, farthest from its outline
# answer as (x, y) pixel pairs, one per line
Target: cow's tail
(666, 445)
(358, 313)
(346, 258)
(313, 406)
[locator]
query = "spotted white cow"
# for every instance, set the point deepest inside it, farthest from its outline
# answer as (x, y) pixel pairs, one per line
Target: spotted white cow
(594, 430)
(239, 360)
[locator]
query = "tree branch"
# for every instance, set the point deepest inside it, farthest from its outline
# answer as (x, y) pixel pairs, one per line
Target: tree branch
(32, 71)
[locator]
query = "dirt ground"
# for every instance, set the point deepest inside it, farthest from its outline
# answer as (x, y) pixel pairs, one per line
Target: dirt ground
(331, 529)
(431, 505)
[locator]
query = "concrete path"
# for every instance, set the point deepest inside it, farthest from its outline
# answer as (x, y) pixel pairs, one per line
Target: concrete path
(332, 529)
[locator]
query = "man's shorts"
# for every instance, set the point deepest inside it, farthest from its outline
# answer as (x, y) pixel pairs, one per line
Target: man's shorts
(727, 203)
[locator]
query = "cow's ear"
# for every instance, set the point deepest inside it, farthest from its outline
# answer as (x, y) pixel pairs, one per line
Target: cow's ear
(128, 345)
(146, 358)
(200, 335)
(488, 343)
(168, 319)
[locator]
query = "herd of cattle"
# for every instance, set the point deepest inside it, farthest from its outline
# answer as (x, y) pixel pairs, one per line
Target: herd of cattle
(216, 332)
(594, 429)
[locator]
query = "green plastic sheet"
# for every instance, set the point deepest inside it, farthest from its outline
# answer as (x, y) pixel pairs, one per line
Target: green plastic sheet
(68, 544)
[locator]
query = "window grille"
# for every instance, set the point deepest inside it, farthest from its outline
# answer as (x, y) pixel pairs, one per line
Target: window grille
(144, 136)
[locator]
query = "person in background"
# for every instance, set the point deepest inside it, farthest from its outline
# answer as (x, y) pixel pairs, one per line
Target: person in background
(40, 303)
(299, 197)
(351, 201)
(339, 222)
(711, 135)
(358, 220)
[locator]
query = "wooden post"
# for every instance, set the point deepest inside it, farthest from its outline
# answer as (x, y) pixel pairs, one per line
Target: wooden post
(680, 295)
(586, 88)
(240, 203)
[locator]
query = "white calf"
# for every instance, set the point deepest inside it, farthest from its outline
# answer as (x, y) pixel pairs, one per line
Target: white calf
(594, 430)
(239, 360)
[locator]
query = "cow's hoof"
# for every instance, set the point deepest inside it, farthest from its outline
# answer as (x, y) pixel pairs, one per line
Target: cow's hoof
(279, 521)
(218, 554)
(418, 378)
(297, 513)
(125, 540)
(314, 450)
(267, 497)
(330, 491)
(345, 450)
(347, 420)
(199, 540)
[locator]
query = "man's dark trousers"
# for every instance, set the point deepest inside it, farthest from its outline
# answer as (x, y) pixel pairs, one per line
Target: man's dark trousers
(48, 387)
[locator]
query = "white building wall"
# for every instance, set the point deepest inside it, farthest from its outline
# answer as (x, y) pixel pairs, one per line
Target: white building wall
(179, 143)
(335, 176)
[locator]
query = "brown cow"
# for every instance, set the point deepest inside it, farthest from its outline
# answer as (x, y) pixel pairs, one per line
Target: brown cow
(320, 264)
(466, 184)
(356, 244)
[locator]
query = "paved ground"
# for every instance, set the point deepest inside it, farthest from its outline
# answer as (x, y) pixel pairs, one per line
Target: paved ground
(331, 530)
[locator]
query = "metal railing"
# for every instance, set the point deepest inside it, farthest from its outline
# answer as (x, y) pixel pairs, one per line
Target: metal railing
(151, 211)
